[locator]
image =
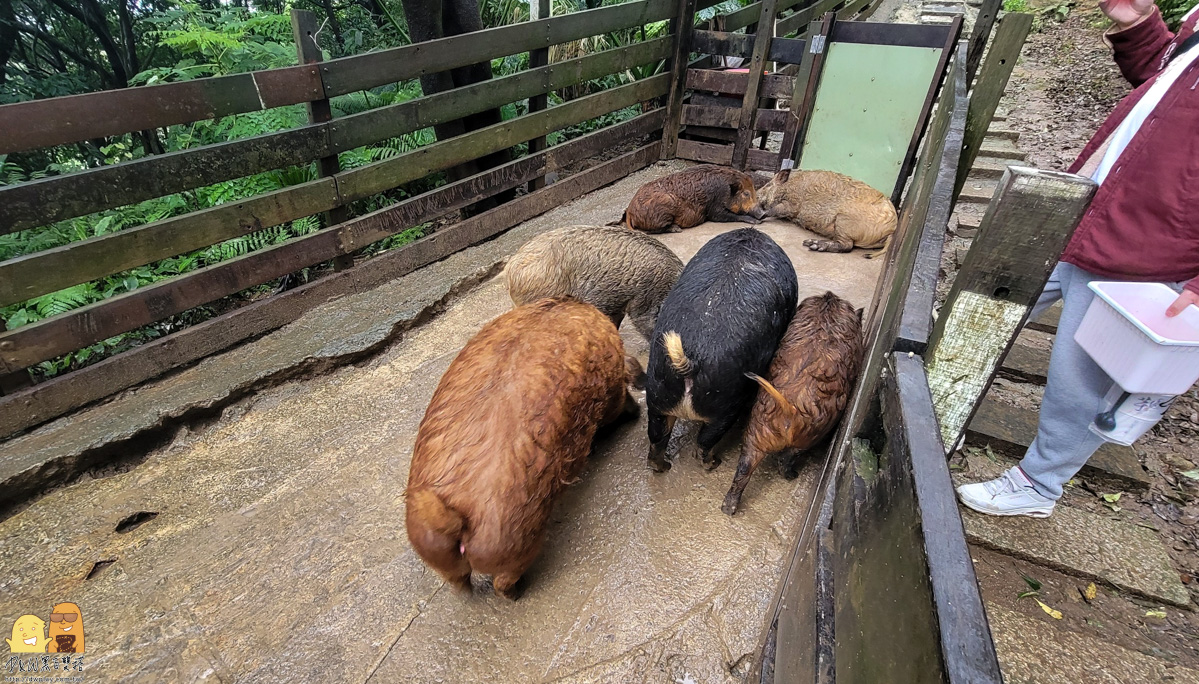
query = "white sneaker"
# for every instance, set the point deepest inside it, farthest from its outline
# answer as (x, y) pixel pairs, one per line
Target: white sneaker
(1008, 494)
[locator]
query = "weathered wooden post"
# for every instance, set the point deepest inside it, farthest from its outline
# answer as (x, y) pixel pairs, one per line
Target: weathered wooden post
(753, 87)
(682, 26)
(304, 29)
(992, 81)
(1025, 229)
(538, 9)
(809, 78)
(978, 37)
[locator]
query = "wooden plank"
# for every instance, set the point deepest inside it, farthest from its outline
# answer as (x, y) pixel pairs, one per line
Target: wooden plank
(722, 117)
(1047, 323)
(33, 275)
(1010, 430)
(876, 33)
(706, 100)
(852, 8)
(682, 36)
(955, 29)
(787, 51)
(744, 17)
(944, 151)
(762, 160)
(722, 43)
(42, 202)
(304, 28)
(373, 178)
(753, 94)
(803, 99)
(60, 395)
(773, 120)
(1024, 230)
(361, 72)
(538, 9)
(78, 328)
(802, 18)
(992, 81)
(705, 152)
(61, 120)
(371, 126)
(967, 651)
(1025, 363)
(987, 14)
(734, 83)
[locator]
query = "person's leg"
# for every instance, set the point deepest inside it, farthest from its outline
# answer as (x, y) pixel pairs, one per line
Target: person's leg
(1074, 387)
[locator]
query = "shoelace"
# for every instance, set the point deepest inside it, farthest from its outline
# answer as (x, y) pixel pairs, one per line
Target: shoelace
(1004, 484)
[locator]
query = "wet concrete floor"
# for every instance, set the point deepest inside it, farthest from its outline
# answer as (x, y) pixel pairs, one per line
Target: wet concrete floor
(278, 551)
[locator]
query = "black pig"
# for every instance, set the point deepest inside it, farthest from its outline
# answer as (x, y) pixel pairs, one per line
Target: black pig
(724, 318)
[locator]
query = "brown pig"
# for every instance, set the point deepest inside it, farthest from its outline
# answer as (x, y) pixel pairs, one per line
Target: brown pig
(692, 196)
(846, 211)
(509, 426)
(811, 378)
(618, 271)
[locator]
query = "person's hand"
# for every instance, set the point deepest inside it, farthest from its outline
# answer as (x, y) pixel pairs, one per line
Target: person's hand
(1126, 12)
(1187, 298)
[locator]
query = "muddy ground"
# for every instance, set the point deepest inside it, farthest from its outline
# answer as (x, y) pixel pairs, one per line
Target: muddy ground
(1062, 89)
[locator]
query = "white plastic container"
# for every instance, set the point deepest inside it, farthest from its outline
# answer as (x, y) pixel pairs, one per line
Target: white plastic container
(1126, 332)
(1135, 415)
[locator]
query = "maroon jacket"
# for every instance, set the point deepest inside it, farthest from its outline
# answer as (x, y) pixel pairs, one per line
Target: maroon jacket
(1143, 224)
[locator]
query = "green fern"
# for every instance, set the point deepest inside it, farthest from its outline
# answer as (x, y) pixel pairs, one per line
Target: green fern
(63, 301)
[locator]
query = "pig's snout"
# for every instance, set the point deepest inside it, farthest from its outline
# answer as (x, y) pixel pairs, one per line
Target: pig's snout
(757, 211)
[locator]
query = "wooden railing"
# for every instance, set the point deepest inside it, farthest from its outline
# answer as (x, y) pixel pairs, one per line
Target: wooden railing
(59, 121)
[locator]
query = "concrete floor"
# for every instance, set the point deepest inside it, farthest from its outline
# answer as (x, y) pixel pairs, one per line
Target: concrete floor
(279, 553)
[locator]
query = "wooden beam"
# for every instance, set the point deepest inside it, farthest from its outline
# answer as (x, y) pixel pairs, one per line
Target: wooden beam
(304, 28)
(1026, 226)
(992, 82)
(29, 408)
(681, 26)
(361, 72)
(62, 120)
(538, 9)
(803, 99)
(753, 94)
(942, 154)
(1025, 363)
(722, 43)
(803, 18)
(987, 14)
(707, 153)
(735, 83)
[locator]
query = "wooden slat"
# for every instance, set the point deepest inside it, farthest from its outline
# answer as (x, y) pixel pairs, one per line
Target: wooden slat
(48, 400)
(681, 35)
(722, 43)
(787, 50)
(721, 117)
(877, 33)
(55, 336)
(1048, 321)
(361, 72)
(733, 83)
(53, 199)
(981, 33)
(1025, 363)
(800, 19)
(705, 152)
(49, 200)
(741, 18)
(706, 100)
(762, 160)
(368, 180)
(538, 9)
(36, 274)
(365, 128)
(61, 120)
(753, 87)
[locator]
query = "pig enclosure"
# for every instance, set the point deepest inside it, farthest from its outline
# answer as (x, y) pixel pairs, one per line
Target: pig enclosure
(278, 553)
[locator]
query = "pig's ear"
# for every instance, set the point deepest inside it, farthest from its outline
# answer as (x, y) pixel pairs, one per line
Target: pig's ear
(783, 175)
(859, 312)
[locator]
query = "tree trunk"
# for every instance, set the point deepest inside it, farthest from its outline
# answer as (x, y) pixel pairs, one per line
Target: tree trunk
(8, 36)
(432, 19)
(334, 26)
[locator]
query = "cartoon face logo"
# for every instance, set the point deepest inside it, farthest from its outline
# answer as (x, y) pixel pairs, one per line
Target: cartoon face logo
(28, 635)
(66, 629)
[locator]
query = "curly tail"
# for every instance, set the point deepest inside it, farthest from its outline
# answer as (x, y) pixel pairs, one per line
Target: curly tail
(678, 358)
(773, 392)
(620, 221)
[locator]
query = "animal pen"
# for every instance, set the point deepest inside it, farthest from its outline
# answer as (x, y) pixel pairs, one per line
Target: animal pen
(877, 584)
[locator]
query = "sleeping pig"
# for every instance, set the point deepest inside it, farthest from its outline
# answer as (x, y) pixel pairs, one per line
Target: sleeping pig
(810, 381)
(846, 211)
(723, 319)
(692, 196)
(618, 271)
(509, 426)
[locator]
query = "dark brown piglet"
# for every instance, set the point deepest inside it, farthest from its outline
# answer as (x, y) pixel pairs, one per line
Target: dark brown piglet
(509, 427)
(808, 385)
(692, 196)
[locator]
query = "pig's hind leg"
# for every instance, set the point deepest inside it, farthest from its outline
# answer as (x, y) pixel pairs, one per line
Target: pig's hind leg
(660, 427)
(750, 458)
(709, 436)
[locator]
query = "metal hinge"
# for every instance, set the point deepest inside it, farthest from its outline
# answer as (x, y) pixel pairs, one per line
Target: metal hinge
(817, 45)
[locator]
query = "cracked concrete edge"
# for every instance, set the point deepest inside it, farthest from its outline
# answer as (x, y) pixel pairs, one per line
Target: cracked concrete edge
(122, 429)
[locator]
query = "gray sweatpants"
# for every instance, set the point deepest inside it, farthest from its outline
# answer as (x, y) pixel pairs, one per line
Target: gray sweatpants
(1074, 388)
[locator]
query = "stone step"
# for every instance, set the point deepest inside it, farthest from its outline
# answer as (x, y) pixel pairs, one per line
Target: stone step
(1009, 430)
(989, 167)
(942, 10)
(978, 191)
(1047, 323)
(1001, 148)
(997, 131)
(935, 19)
(1090, 545)
(1036, 649)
